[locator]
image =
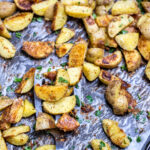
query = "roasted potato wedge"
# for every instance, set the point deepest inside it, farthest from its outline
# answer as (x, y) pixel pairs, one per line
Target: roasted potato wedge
(96, 144)
(7, 9)
(146, 6)
(28, 109)
(3, 124)
(50, 75)
(67, 123)
(75, 2)
(18, 140)
(60, 17)
(65, 35)
(18, 21)
(75, 74)
(94, 54)
(3, 30)
(50, 93)
(147, 70)
(46, 147)
(77, 54)
(13, 131)
(132, 59)
(44, 122)
(117, 135)
(78, 11)
(5, 102)
(38, 49)
(65, 105)
(90, 71)
(27, 82)
(129, 7)
(110, 61)
(128, 41)
(142, 19)
(2, 143)
(118, 24)
(7, 49)
(62, 50)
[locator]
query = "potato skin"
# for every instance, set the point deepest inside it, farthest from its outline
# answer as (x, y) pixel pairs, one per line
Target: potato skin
(2, 143)
(7, 9)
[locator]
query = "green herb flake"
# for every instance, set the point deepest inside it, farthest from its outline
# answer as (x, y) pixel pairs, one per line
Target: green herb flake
(138, 139)
(123, 32)
(9, 89)
(50, 62)
(39, 67)
(78, 3)
(27, 148)
(130, 139)
(129, 107)
(18, 35)
(34, 34)
(90, 99)
(49, 69)
(94, 15)
(62, 80)
(38, 76)
(139, 97)
(34, 126)
(120, 25)
(26, 78)
(82, 104)
(78, 119)
(17, 79)
(0, 93)
(98, 113)
(71, 42)
(88, 146)
(77, 100)
(102, 144)
(140, 6)
(64, 64)
(76, 86)
(56, 32)
(148, 113)
(39, 19)
(111, 50)
(123, 67)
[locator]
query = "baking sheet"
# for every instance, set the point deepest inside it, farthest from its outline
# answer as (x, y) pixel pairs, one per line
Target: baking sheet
(91, 126)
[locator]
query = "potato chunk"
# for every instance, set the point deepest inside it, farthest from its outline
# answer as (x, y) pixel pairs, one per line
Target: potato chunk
(5, 102)
(38, 49)
(103, 21)
(75, 2)
(147, 70)
(2, 143)
(46, 147)
(4, 125)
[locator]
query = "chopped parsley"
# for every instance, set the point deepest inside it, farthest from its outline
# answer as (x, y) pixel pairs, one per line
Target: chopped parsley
(18, 35)
(27, 148)
(49, 69)
(78, 3)
(38, 76)
(138, 139)
(62, 80)
(56, 32)
(120, 25)
(77, 101)
(98, 113)
(88, 146)
(26, 78)
(102, 144)
(94, 15)
(90, 99)
(50, 62)
(139, 97)
(34, 126)
(17, 79)
(123, 32)
(111, 50)
(78, 119)
(130, 139)
(39, 19)
(39, 67)
(140, 6)
(0, 93)
(123, 67)
(9, 89)
(34, 34)
(82, 104)
(76, 86)
(148, 113)
(64, 64)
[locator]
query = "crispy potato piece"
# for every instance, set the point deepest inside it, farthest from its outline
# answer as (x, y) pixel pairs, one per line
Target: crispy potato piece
(78, 11)
(132, 59)
(95, 143)
(7, 49)
(63, 49)
(129, 7)
(18, 140)
(117, 135)
(118, 24)
(74, 75)
(65, 35)
(128, 41)
(146, 6)
(144, 47)
(110, 61)
(27, 82)
(3, 124)
(38, 49)
(77, 54)
(50, 93)
(62, 74)
(44, 122)
(65, 105)
(13, 131)
(101, 10)
(5, 102)
(147, 70)
(69, 91)
(50, 75)
(94, 54)
(75, 2)
(2, 143)
(46, 147)
(67, 123)
(142, 19)
(60, 17)
(28, 109)
(110, 42)
(18, 21)
(3, 31)
(7, 9)
(90, 71)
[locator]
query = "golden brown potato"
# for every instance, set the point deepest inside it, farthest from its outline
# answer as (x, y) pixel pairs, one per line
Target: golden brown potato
(27, 82)
(69, 91)
(46, 147)
(75, 2)
(7, 49)
(50, 75)
(110, 42)
(77, 54)
(28, 109)
(101, 10)
(90, 71)
(117, 135)
(38, 49)
(18, 140)
(94, 54)
(92, 4)
(44, 122)
(132, 59)
(60, 17)
(67, 123)
(146, 6)
(2, 143)
(50, 93)
(128, 41)
(5, 102)
(3, 124)
(147, 70)
(103, 2)
(18, 21)
(7, 9)
(110, 61)
(65, 105)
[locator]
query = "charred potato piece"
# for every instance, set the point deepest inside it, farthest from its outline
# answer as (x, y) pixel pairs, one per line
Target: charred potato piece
(5, 102)
(50, 93)
(18, 140)
(18, 21)
(2, 143)
(38, 49)
(27, 82)
(46, 147)
(110, 61)
(128, 41)
(7, 49)
(75, 2)
(147, 70)
(60, 17)
(118, 24)
(28, 109)
(132, 59)
(90, 71)
(44, 122)
(50, 75)
(117, 135)
(146, 6)
(65, 105)
(7, 9)
(67, 123)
